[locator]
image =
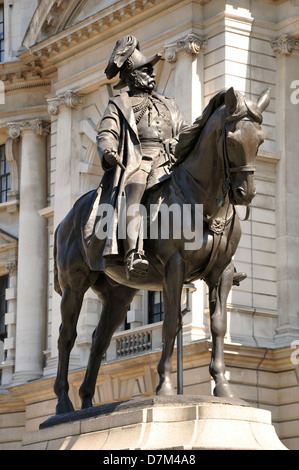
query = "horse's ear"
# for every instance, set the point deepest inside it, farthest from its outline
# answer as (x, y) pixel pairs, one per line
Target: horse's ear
(264, 99)
(230, 101)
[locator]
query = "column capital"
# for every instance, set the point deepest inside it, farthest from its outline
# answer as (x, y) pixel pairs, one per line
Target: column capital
(284, 45)
(12, 267)
(69, 99)
(191, 44)
(37, 126)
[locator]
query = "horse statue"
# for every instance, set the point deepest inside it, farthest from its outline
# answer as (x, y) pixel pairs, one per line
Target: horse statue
(215, 169)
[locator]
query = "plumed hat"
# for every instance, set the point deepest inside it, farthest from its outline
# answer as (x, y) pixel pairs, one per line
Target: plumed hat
(126, 57)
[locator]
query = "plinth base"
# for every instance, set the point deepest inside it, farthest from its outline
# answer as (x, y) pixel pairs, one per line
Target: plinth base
(160, 423)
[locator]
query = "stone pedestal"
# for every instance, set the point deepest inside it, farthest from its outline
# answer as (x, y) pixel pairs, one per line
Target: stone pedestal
(160, 423)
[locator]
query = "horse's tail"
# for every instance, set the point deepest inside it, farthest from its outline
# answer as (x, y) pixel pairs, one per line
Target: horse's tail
(56, 281)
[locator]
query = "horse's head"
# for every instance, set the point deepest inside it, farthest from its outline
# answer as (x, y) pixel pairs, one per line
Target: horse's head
(243, 136)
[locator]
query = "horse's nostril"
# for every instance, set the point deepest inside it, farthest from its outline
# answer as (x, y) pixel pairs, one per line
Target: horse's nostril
(240, 192)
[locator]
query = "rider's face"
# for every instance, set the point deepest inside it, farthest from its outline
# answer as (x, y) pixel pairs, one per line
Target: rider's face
(144, 78)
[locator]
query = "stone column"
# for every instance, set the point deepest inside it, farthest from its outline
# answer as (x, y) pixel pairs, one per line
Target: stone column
(287, 245)
(189, 70)
(65, 108)
(32, 250)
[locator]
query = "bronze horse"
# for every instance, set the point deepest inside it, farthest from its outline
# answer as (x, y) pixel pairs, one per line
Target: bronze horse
(215, 168)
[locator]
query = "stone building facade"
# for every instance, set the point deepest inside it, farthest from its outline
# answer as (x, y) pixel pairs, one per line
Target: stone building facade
(52, 96)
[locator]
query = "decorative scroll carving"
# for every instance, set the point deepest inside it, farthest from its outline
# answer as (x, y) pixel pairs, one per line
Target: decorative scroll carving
(284, 45)
(69, 99)
(14, 130)
(192, 44)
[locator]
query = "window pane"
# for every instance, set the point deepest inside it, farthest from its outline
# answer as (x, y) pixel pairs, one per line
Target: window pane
(3, 286)
(1, 33)
(4, 175)
(155, 307)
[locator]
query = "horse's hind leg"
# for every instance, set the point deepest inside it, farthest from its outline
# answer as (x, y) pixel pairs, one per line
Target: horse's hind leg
(172, 290)
(115, 304)
(71, 303)
(218, 314)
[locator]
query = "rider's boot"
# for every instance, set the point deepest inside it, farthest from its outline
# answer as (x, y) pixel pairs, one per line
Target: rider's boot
(136, 264)
(238, 277)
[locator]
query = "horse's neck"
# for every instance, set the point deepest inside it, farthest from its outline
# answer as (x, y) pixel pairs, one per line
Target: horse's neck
(205, 165)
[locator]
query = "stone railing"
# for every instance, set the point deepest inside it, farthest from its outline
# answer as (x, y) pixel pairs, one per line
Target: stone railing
(134, 342)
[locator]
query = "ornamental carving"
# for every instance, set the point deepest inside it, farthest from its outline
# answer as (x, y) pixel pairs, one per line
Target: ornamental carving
(192, 44)
(14, 130)
(284, 45)
(12, 267)
(38, 126)
(69, 99)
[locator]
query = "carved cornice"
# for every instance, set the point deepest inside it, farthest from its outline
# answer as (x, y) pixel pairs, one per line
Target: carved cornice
(69, 99)
(38, 126)
(191, 44)
(284, 45)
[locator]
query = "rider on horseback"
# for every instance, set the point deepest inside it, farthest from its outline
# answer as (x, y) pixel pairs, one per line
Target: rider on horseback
(136, 139)
(138, 132)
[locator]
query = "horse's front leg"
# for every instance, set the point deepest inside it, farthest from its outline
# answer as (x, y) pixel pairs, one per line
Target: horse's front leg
(172, 290)
(217, 298)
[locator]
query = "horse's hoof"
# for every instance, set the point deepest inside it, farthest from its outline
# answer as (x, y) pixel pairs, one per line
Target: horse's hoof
(165, 388)
(86, 403)
(64, 407)
(223, 390)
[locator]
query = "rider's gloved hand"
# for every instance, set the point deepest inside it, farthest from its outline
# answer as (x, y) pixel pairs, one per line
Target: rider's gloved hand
(170, 145)
(111, 157)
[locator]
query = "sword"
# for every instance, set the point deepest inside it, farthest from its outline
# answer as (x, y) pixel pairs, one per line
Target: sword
(121, 165)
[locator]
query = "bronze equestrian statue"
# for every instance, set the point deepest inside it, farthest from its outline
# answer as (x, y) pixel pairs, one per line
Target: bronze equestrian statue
(151, 156)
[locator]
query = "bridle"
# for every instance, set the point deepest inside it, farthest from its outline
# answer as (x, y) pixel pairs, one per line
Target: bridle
(228, 170)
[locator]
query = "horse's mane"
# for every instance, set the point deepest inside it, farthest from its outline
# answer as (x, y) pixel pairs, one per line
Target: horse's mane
(190, 136)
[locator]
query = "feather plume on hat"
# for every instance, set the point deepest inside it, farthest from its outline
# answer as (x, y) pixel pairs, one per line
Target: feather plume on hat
(124, 48)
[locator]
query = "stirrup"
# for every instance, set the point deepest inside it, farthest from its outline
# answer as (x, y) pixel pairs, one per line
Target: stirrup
(136, 265)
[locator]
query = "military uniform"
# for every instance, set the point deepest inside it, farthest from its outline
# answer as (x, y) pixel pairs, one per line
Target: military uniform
(137, 131)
